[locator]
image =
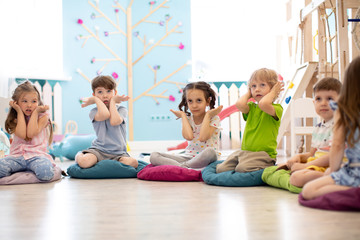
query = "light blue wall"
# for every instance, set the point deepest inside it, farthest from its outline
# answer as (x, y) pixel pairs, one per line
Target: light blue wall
(169, 59)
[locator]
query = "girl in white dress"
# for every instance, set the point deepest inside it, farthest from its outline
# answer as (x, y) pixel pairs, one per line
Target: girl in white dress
(201, 128)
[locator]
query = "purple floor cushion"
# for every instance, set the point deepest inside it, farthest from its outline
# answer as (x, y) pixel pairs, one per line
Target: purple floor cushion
(169, 173)
(348, 200)
(27, 177)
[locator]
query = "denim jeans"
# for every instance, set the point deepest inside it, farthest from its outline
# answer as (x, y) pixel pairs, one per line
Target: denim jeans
(39, 165)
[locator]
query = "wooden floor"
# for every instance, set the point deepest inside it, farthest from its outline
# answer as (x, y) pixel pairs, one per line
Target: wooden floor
(137, 209)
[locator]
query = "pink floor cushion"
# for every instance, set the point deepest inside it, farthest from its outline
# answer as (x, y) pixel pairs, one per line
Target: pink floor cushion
(348, 200)
(169, 173)
(27, 177)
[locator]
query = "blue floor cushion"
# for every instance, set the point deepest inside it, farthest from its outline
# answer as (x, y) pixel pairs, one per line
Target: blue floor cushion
(169, 173)
(231, 178)
(28, 177)
(106, 169)
(279, 179)
(347, 200)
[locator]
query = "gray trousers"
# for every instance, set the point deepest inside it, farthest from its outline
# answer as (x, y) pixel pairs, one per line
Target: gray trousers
(204, 158)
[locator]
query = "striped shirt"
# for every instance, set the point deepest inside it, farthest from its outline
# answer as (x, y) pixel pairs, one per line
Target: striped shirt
(322, 135)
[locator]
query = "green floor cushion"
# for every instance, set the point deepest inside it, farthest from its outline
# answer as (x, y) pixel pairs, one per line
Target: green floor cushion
(231, 178)
(279, 179)
(106, 169)
(28, 177)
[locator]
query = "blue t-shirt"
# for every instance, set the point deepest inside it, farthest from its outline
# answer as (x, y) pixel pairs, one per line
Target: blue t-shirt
(110, 139)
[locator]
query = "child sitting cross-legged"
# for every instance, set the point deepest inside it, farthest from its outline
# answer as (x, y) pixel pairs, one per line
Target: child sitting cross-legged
(258, 148)
(200, 127)
(346, 132)
(30, 126)
(109, 122)
(311, 165)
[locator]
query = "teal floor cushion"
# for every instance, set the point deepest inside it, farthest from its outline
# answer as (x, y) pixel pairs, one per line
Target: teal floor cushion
(231, 178)
(279, 179)
(106, 169)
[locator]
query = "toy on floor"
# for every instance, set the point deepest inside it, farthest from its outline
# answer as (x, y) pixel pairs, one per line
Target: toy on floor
(4, 144)
(71, 145)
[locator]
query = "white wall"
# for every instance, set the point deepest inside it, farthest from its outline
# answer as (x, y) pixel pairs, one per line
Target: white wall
(231, 38)
(31, 40)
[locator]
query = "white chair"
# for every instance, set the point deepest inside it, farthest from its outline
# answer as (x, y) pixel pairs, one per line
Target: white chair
(302, 108)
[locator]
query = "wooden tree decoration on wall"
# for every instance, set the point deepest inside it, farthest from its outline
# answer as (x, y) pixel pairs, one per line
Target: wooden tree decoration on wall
(129, 63)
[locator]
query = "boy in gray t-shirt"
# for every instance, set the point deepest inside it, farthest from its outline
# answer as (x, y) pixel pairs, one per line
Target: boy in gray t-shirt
(108, 120)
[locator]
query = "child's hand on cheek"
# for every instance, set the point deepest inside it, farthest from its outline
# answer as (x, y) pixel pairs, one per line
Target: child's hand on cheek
(42, 108)
(15, 106)
(249, 93)
(277, 88)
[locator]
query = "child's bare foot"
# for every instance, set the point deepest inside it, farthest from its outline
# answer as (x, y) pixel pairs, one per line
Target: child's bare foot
(297, 166)
(282, 166)
(129, 161)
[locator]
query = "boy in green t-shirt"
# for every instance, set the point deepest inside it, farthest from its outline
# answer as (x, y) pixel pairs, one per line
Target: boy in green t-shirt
(258, 148)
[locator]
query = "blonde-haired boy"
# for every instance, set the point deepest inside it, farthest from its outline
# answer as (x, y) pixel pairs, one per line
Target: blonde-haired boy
(258, 147)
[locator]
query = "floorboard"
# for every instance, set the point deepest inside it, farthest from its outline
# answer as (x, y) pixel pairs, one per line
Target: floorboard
(136, 209)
